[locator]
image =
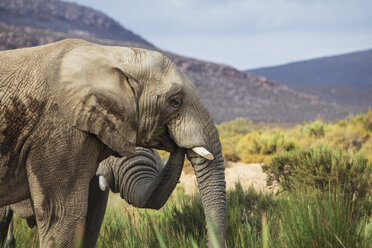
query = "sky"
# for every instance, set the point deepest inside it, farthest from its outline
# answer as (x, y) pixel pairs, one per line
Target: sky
(246, 34)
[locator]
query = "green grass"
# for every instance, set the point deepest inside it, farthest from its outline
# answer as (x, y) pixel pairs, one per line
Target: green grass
(255, 219)
(321, 220)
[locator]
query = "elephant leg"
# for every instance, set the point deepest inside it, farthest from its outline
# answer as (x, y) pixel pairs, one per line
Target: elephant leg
(6, 216)
(96, 211)
(59, 170)
(59, 193)
(60, 222)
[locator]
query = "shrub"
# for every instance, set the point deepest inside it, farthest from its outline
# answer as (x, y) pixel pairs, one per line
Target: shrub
(350, 137)
(367, 120)
(248, 148)
(259, 145)
(315, 129)
(367, 149)
(319, 168)
(235, 127)
(229, 147)
(364, 119)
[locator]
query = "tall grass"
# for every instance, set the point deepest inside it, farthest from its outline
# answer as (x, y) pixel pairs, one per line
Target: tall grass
(255, 219)
(313, 219)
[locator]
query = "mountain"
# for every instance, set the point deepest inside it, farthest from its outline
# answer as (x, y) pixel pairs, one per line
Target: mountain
(227, 92)
(344, 79)
(65, 17)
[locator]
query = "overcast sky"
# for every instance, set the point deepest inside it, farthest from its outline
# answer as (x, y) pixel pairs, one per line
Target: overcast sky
(246, 33)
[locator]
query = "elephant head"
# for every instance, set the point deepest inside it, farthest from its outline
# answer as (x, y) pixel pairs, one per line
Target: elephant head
(131, 97)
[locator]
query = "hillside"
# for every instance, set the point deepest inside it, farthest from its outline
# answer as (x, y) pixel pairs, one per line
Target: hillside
(230, 93)
(227, 92)
(65, 17)
(344, 79)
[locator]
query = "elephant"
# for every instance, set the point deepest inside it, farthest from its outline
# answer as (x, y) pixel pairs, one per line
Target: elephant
(67, 106)
(24, 210)
(144, 169)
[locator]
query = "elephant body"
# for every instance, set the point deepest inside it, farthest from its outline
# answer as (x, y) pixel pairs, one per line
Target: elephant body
(67, 106)
(122, 175)
(39, 151)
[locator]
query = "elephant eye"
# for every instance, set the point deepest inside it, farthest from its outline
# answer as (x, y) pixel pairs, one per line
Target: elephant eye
(176, 102)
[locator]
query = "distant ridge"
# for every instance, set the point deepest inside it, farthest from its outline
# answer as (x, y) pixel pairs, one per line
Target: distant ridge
(351, 69)
(227, 92)
(344, 79)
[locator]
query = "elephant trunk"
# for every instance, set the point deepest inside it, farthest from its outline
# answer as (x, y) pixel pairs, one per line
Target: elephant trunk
(142, 179)
(147, 183)
(197, 130)
(210, 176)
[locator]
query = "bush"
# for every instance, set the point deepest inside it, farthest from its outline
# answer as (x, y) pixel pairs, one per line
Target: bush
(238, 126)
(367, 149)
(314, 129)
(367, 120)
(255, 147)
(319, 168)
(350, 137)
(229, 147)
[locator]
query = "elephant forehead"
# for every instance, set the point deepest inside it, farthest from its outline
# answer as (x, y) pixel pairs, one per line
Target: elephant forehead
(147, 59)
(176, 77)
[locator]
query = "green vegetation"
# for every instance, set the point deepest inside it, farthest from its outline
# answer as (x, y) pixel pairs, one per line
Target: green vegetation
(324, 174)
(243, 141)
(314, 219)
(320, 168)
(255, 219)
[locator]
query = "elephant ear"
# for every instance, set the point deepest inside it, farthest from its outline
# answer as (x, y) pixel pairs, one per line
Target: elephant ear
(95, 94)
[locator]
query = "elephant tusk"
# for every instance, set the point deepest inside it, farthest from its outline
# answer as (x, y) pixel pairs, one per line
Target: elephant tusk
(201, 151)
(103, 185)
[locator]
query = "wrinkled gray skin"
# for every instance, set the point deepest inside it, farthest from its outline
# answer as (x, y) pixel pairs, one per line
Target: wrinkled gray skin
(142, 180)
(87, 102)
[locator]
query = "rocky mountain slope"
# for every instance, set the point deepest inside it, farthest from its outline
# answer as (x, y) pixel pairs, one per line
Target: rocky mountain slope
(230, 93)
(345, 79)
(65, 17)
(227, 92)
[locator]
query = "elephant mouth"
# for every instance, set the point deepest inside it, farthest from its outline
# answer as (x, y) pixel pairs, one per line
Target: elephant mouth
(161, 140)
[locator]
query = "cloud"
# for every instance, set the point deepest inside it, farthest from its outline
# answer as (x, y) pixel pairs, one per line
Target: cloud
(253, 51)
(233, 31)
(235, 16)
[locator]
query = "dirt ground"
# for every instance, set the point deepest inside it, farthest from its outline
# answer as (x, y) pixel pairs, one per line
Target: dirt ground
(247, 174)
